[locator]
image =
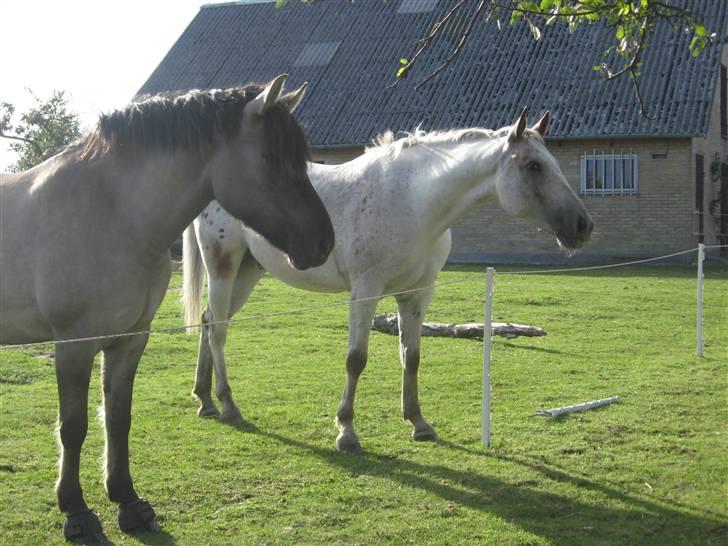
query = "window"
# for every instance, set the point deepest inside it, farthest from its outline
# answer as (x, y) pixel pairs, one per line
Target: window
(609, 174)
(417, 6)
(723, 102)
(699, 194)
(316, 54)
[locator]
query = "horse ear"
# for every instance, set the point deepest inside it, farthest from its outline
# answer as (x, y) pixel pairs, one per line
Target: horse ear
(293, 99)
(518, 127)
(269, 95)
(542, 124)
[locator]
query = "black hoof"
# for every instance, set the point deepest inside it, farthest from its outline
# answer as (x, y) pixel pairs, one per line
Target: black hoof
(137, 517)
(208, 412)
(83, 528)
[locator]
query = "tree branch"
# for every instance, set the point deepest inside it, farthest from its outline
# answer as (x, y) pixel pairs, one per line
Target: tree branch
(23, 139)
(456, 50)
(424, 43)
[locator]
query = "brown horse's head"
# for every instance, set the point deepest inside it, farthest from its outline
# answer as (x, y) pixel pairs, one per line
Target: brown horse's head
(260, 177)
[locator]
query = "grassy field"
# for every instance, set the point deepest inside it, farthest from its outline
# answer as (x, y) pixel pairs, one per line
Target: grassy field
(650, 469)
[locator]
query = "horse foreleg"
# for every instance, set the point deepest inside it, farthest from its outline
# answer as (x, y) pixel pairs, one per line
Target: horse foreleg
(412, 308)
(360, 323)
(74, 362)
(120, 364)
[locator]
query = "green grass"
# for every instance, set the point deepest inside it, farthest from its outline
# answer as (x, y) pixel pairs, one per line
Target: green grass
(650, 469)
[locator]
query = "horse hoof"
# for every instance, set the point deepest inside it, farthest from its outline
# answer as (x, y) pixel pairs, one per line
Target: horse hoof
(84, 528)
(348, 445)
(138, 517)
(425, 436)
(208, 412)
(232, 417)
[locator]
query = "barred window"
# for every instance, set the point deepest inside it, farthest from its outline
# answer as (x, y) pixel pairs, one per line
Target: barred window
(609, 174)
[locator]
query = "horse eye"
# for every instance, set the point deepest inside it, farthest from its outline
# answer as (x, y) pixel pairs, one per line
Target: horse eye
(533, 166)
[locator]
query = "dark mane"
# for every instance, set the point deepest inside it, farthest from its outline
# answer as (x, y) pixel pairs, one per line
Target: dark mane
(186, 120)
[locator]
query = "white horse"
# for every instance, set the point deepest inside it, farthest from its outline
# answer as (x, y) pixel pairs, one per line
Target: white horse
(392, 209)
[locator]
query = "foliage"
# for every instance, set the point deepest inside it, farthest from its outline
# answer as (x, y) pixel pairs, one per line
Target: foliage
(648, 470)
(41, 131)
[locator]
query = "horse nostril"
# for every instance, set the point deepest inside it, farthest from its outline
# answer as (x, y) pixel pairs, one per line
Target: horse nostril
(580, 224)
(324, 247)
(583, 225)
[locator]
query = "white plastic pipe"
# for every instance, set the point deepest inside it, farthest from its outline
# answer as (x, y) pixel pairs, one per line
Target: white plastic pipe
(487, 333)
(701, 258)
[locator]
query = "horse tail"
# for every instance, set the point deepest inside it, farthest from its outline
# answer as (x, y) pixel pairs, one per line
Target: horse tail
(192, 277)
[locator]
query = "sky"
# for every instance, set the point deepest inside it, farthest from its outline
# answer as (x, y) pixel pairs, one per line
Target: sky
(99, 51)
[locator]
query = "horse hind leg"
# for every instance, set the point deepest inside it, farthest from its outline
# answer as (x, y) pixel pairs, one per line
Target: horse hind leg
(412, 308)
(225, 299)
(119, 368)
(74, 362)
(203, 374)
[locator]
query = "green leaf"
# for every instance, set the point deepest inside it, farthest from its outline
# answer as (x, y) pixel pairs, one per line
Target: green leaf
(534, 30)
(404, 61)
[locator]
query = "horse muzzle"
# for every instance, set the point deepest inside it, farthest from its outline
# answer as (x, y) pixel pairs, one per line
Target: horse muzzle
(310, 251)
(574, 231)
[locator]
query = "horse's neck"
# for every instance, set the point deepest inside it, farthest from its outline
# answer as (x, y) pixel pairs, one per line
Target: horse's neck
(165, 193)
(452, 179)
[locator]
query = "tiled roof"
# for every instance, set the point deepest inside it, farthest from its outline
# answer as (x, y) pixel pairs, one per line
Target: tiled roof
(349, 53)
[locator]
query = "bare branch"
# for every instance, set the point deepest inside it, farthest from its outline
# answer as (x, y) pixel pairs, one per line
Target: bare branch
(456, 50)
(33, 143)
(425, 42)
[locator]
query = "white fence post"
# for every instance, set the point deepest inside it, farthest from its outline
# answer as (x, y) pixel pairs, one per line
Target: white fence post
(487, 333)
(701, 258)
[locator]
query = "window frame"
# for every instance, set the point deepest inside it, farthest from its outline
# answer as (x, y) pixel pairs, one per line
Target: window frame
(605, 167)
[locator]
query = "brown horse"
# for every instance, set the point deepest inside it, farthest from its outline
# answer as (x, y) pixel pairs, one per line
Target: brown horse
(85, 238)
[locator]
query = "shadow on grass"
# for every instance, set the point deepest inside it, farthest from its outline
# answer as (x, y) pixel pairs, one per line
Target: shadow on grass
(560, 519)
(512, 345)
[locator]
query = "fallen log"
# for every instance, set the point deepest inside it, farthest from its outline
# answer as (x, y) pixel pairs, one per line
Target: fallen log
(388, 324)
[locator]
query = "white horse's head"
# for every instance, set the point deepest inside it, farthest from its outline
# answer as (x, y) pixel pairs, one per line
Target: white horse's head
(530, 185)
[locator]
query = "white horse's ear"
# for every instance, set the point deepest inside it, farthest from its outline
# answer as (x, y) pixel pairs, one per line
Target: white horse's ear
(269, 95)
(542, 124)
(518, 127)
(293, 99)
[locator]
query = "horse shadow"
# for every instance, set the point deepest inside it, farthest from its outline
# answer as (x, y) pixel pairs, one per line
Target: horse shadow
(526, 507)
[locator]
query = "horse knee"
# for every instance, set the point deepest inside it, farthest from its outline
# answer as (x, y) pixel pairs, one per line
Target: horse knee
(72, 431)
(356, 361)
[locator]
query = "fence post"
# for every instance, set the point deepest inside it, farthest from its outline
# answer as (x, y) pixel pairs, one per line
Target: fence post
(701, 258)
(487, 333)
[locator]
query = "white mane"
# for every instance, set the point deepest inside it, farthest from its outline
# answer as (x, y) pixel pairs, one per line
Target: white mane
(386, 143)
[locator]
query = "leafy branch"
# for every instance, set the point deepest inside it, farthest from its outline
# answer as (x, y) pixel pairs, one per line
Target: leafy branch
(41, 131)
(632, 22)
